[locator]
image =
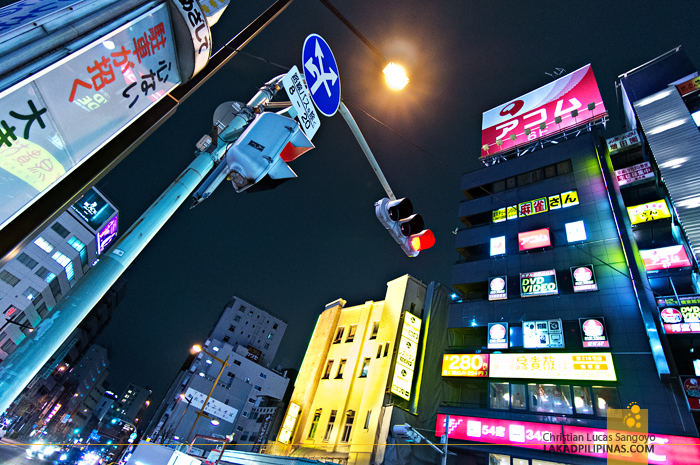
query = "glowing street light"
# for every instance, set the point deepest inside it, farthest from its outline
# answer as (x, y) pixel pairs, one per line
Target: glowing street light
(215, 422)
(395, 76)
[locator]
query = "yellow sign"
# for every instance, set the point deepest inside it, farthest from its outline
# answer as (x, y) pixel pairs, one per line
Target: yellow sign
(533, 207)
(499, 215)
(547, 365)
(512, 212)
(31, 163)
(569, 199)
(405, 361)
(649, 212)
(554, 202)
(290, 421)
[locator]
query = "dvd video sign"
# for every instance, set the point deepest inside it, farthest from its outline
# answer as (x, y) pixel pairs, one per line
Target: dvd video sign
(680, 315)
(538, 283)
(583, 278)
(498, 336)
(534, 239)
(543, 334)
(497, 288)
(593, 332)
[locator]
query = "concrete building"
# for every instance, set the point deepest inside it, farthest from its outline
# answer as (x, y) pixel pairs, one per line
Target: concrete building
(357, 378)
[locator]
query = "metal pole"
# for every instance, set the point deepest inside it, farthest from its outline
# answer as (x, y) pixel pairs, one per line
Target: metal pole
(345, 113)
(447, 434)
(201, 410)
(189, 402)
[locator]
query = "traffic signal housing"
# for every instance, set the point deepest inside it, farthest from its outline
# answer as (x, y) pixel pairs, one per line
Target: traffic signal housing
(407, 228)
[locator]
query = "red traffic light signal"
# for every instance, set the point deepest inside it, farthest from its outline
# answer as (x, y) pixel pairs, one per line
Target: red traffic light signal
(423, 240)
(405, 227)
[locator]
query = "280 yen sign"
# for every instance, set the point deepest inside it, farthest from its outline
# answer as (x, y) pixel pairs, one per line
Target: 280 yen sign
(466, 365)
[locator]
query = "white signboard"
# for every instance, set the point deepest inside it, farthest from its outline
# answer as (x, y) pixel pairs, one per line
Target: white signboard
(214, 407)
(543, 334)
(298, 93)
(406, 358)
(623, 142)
(634, 173)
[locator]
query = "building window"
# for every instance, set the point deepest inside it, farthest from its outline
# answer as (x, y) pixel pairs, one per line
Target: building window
(583, 402)
(257, 388)
(241, 309)
(564, 167)
(327, 373)
(269, 336)
(369, 415)
(43, 244)
(244, 437)
(605, 398)
(226, 338)
(314, 423)
(329, 428)
(45, 274)
(518, 396)
(386, 348)
(250, 312)
(232, 328)
(27, 261)
(375, 330)
(55, 287)
(239, 428)
(251, 400)
(237, 362)
(263, 375)
(66, 263)
(9, 278)
(230, 375)
(274, 326)
(245, 414)
(550, 398)
(365, 368)
(351, 333)
(339, 335)
(30, 293)
(341, 368)
(499, 397)
(60, 230)
(237, 318)
(267, 346)
(80, 247)
(349, 420)
(42, 310)
(379, 350)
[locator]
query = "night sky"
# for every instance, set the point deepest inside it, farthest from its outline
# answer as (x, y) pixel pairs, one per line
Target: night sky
(316, 238)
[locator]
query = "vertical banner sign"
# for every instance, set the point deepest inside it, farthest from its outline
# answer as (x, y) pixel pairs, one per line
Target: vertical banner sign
(593, 332)
(538, 283)
(406, 359)
(583, 278)
(298, 94)
(290, 421)
(543, 334)
(498, 336)
(497, 288)
(544, 111)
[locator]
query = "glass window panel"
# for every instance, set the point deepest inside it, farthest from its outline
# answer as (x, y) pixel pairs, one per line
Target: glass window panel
(550, 398)
(499, 397)
(499, 459)
(606, 398)
(517, 396)
(43, 244)
(583, 402)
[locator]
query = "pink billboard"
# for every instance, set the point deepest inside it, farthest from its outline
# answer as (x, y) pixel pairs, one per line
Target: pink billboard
(664, 258)
(542, 112)
(495, 431)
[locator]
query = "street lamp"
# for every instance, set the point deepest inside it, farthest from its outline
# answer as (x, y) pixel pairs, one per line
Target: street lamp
(395, 76)
(224, 363)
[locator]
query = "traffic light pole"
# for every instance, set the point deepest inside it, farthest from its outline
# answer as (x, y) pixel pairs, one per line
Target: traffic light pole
(345, 113)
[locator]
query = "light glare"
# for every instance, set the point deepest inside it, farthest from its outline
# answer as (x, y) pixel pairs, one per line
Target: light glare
(395, 76)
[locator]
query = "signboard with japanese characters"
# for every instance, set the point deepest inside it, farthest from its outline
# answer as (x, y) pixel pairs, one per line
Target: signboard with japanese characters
(533, 207)
(570, 366)
(691, 386)
(543, 334)
(54, 121)
(649, 212)
(289, 423)
(593, 332)
(634, 173)
(213, 407)
(498, 336)
(499, 431)
(689, 86)
(298, 94)
(534, 239)
(680, 315)
(583, 278)
(538, 283)
(465, 365)
(402, 381)
(665, 257)
(623, 142)
(497, 288)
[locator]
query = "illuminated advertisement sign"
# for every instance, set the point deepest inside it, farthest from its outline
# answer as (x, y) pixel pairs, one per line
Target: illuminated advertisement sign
(583, 278)
(214, 407)
(676, 450)
(534, 239)
(593, 332)
(538, 283)
(497, 288)
(290, 421)
(664, 258)
(575, 231)
(689, 86)
(648, 212)
(405, 361)
(691, 386)
(498, 336)
(465, 365)
(107, 234)
(623, 142)
(93, 209)
(680, 317)
(634, 173)
(498, 245)
(542, 365)
(533, 207)
(559, 105)
(61, 116)
(543, 334)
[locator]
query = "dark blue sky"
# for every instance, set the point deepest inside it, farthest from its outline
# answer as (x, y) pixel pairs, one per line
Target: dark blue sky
(315, 239)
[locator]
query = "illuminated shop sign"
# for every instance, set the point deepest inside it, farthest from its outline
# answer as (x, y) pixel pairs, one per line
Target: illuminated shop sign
(689, 86)
(405, 361)
(289, 423)
(575, 231)
(593, 332)
(623, 142)
(543, 334)
(542, 365)
(583, 278)
(107, 234)
(649, 212)
(533, 207)
(213, 407)
(497, 288)
(534, 239)
(93, 209)
(676, 450)
(691, 386)
(498, 336)
(538, 283)
(664, 258)
(543, 111)
(680, 317)
(498, 245)
(465, 365)
(634, 173)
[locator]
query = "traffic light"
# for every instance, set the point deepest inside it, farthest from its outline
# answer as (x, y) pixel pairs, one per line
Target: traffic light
(405, 227)
(407, 433)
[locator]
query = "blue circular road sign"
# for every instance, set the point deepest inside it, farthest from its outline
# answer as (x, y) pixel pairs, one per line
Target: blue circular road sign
(321, 73)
